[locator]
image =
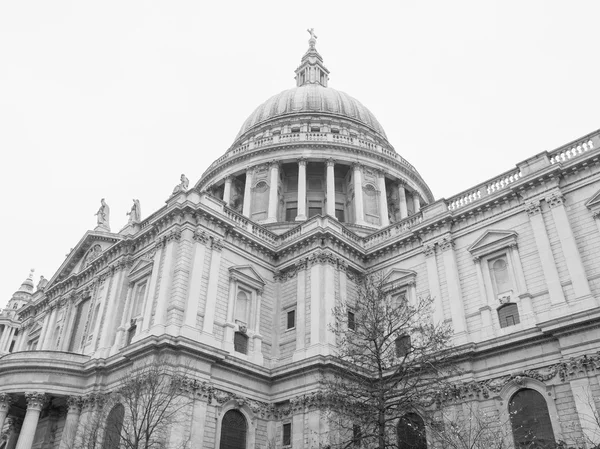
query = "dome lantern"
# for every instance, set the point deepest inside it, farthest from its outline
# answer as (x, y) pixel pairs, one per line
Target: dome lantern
(311, 69)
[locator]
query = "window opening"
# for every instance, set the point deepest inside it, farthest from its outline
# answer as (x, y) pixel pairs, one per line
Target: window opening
(508, 315)
(351, 320)
(234, 429)
(240, 343)
(291, 319)
(411, 432)
(114, 425)
(287, 434)
(530, 420)
(241, 306)
(402, 345)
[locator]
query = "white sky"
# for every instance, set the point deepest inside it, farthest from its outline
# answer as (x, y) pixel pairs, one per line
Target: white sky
(117, 98)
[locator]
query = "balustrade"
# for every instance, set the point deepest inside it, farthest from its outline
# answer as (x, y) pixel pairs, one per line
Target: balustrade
(564, 154)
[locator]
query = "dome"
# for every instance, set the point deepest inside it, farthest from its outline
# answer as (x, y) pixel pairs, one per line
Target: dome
(312, 98)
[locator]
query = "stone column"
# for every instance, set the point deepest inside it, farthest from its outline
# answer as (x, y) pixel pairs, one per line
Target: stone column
(301, 215)
(9, 332)
(534, 210)
(166, 278)
(416, 202)
(273, 200)
(147, 316)
(257, 355)
(227, 190)
(574, 263)
(457, 308)
(402, 200)
(434, 282)
(5, 401)
(300, 310)
(48, 337)
(248, 192)
(358, 195)
(14, 427)
(70, 428)
(383, 207)
(213, 283)
(35, 403)
(23, 335)
(111, 319)
(193, 300)
(330, 188)
(44, 331)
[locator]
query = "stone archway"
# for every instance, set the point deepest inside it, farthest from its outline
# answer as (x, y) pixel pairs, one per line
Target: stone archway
(530, 420)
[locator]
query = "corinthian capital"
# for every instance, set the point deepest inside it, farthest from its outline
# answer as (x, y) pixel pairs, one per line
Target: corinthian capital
(36, 400)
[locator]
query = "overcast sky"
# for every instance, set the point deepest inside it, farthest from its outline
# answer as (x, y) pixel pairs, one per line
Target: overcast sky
(116, 99)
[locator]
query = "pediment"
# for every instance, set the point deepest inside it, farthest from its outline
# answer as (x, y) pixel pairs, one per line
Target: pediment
(89, 248)
(593, 203)
(493, 240)
(141, 268)
(398, 277)
(247, 274)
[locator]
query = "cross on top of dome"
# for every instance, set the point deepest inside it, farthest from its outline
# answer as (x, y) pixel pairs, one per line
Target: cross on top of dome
(312, 70)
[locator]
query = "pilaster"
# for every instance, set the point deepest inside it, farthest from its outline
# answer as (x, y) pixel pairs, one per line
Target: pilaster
(300, 310)
(402, 200)
(434, 282)
(70, 428)
(227, 190)
(189, 328)
(457, 308)
(211, 294)
(534, 211)
(575, 266)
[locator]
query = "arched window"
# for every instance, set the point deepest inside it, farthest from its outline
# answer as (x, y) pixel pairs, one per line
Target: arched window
(114, 425)
(530, 420)
(411, 432)
(260, 201)
(499, 269)
(371, 204)
(508, 315)
(233, 430)
(241, 306)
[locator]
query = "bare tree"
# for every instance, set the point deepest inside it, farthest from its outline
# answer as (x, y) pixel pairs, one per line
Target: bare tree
(141, 412)
(393, 360)
(469, 426)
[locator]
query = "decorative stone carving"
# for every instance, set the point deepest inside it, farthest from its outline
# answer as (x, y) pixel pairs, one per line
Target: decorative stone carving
(183, 185)
(555, 199)
(429, 249)
(447, 243)
(135, 214)
(36, 400)
(216, 244)
(103, 216)
(5, 401)
(74, 402)
(201, 236)
(533, 207)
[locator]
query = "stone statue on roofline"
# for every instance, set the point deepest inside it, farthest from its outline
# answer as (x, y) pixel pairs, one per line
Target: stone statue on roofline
(182, 186)
(135, 214)
(103, 216)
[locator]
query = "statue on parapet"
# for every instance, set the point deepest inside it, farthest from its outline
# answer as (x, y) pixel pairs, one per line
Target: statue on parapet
(135, 214)
(182, 186)
(103, 216)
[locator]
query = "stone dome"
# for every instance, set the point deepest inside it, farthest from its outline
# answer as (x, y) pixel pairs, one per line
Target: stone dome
(312, 98)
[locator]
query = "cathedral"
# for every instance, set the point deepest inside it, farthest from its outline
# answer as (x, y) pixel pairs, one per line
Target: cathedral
(239, 273)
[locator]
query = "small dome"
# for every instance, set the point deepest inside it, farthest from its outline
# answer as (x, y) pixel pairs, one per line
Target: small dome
(310, 98)
(27, 285)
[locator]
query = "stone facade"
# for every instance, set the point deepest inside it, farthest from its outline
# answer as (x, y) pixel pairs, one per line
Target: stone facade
(310, 196)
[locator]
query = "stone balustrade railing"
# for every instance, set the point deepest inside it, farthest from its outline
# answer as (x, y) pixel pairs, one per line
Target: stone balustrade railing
(392, 230)
(573, 150)
(312, 137)
(483, 190)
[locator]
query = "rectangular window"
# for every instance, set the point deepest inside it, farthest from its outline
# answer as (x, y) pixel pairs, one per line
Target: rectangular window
(356, 435)
(287, 434)
(339, 214)
(315, 129)
(402, 346)
(315, 208)
(140, 294)
(291, 319)
(351, 321)
(296, 129)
